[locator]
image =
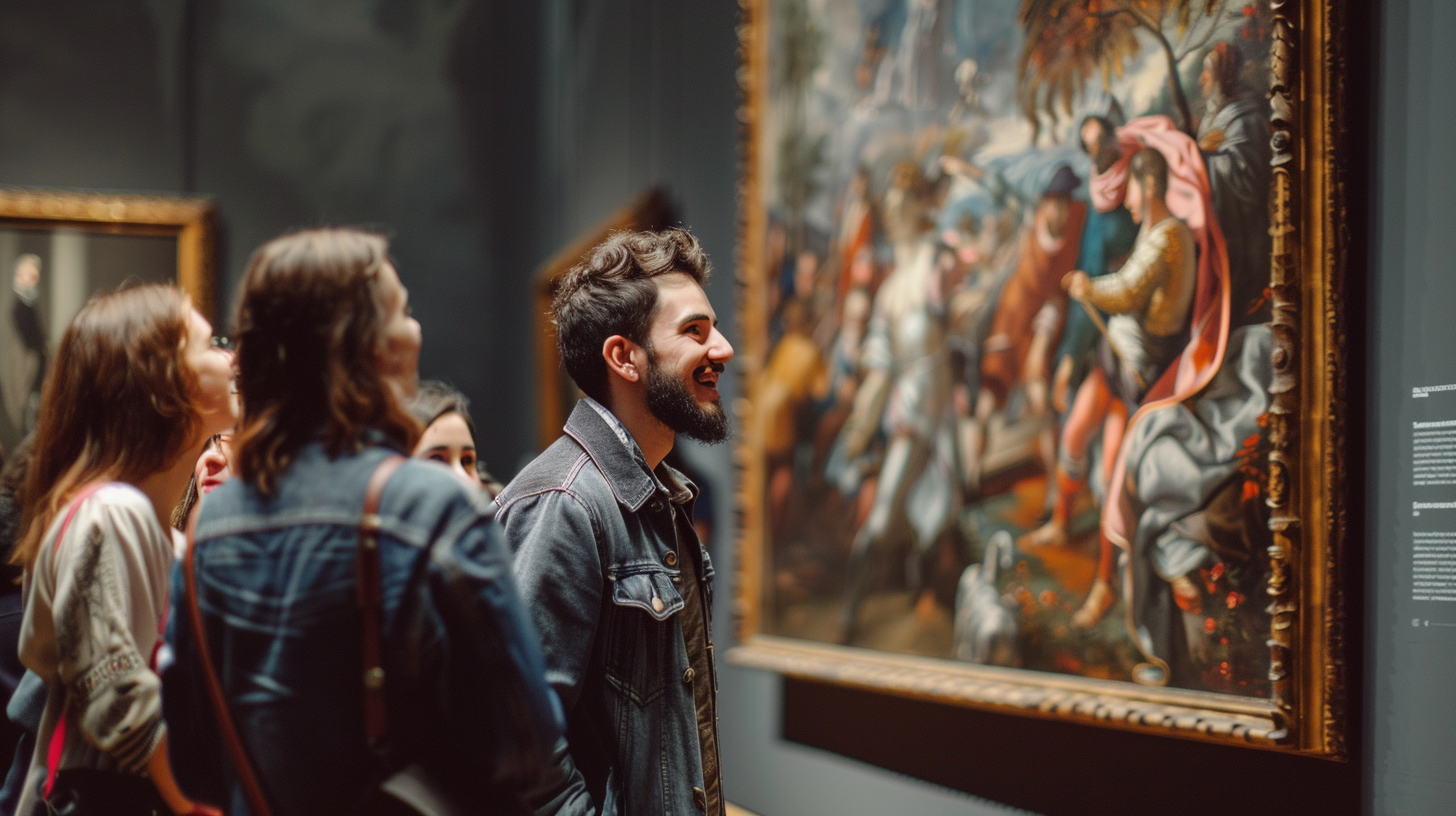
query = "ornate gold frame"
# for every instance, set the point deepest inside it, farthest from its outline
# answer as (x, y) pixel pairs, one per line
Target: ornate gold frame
(1306, 712)
(189, 220)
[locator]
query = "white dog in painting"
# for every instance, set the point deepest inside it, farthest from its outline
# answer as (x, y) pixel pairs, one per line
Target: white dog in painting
(985, 628)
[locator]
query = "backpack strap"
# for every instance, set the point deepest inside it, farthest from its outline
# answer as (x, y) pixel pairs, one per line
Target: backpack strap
(370, 597)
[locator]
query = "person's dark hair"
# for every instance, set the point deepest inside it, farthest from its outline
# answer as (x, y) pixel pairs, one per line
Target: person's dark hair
(309, 321)
(119, 402)
(437, 399)
(612, 292)
(1148, 163)
(190, 497)
(1107, 137)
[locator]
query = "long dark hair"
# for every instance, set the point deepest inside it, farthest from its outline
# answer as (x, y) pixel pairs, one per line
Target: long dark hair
(119, 403)
(308, 323)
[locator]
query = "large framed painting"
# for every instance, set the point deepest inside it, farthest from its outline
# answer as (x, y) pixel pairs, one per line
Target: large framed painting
(59, 247)
(1040, 335)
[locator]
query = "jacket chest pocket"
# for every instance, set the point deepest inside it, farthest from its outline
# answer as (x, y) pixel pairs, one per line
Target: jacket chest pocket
(641, 631)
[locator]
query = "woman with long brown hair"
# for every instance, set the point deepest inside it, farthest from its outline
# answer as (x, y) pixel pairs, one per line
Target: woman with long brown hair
(135, 391)
(336, 639)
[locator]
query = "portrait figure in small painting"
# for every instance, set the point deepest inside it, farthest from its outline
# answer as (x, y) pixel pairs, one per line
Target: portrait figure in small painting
(1015, 401)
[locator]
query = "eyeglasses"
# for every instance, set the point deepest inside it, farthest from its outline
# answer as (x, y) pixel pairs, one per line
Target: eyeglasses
(224, 343)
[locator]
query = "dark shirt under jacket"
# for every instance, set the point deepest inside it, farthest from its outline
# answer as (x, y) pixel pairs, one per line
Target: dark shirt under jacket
(621, 591)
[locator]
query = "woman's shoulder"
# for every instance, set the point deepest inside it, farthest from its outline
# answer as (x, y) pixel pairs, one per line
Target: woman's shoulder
(122, 507)
(114, 511)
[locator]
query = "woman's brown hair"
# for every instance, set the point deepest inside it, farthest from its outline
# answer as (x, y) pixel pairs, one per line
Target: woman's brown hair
(309, 323)
(119, 403)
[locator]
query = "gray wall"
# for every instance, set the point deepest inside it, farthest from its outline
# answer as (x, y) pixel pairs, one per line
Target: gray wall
(1410, 716)
(484, 135)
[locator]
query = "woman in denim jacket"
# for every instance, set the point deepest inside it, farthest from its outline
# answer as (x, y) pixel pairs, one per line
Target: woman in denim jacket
(327, 357)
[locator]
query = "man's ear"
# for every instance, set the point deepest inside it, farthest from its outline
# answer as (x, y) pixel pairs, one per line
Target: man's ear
(621, 357)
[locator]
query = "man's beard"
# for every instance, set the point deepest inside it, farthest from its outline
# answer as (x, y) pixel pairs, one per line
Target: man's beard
(674, 405)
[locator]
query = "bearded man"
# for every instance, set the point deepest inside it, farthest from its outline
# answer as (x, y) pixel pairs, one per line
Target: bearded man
(607, 558)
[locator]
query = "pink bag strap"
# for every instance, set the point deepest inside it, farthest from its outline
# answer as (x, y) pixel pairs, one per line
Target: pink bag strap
(57, 745)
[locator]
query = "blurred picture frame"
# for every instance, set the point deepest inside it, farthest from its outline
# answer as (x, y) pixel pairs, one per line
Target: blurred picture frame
(60, 247)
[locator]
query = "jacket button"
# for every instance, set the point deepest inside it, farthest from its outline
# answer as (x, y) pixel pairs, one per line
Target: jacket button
(700, 799)
(688, 676)
(656, 505)
(657, 605)
(670, 559)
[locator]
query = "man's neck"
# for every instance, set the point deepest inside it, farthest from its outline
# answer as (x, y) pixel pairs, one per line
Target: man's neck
(1158, 213)
(654, 438)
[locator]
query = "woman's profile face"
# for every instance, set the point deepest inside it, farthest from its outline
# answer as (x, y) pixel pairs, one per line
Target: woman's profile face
(213, 367)
(398, 354)
(214, 465)
(448, 441)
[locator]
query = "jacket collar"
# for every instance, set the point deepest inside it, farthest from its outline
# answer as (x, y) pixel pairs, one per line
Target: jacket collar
(624, 468)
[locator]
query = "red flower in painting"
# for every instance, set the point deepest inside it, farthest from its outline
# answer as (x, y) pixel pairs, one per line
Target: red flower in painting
(1234, 599)
(1263, 420)
(1048, 598)
(1209, 624)
(1248, 10)
(1216, 572)
(1251, 490)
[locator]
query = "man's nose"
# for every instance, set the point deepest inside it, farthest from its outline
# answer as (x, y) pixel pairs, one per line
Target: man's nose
(719, 349)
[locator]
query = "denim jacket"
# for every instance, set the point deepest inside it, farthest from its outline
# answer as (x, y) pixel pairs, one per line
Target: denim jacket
(464, 677)
(592, 529)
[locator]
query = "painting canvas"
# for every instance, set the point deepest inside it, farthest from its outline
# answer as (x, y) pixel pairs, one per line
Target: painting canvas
(1013, 392)
(57, 249)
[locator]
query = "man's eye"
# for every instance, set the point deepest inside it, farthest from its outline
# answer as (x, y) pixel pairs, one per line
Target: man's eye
(439, 457)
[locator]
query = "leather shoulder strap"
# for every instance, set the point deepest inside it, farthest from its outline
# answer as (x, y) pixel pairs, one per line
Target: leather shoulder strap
(242, 763)
(371, 601)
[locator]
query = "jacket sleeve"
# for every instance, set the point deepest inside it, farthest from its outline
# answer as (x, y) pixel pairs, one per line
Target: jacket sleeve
(495, 698)
(560, 572)
(102, 588)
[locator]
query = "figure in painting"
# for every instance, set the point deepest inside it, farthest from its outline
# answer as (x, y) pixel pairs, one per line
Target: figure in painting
(24, 368)
(906, 392)
(1028, 318)
(1234, 137)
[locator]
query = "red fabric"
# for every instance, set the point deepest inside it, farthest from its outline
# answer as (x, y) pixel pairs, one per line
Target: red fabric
(1190, 197)
(1037, 280)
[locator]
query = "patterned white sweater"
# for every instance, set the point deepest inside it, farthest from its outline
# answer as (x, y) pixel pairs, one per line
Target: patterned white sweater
(94, 607)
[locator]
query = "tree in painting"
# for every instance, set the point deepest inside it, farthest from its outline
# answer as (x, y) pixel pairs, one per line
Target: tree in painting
(1070, 41)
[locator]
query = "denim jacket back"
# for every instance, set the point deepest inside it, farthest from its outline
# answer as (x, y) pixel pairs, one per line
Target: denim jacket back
(592, 531)
(276, 587)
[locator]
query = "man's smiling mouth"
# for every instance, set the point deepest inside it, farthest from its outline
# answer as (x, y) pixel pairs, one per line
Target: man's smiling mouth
(707, 376)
